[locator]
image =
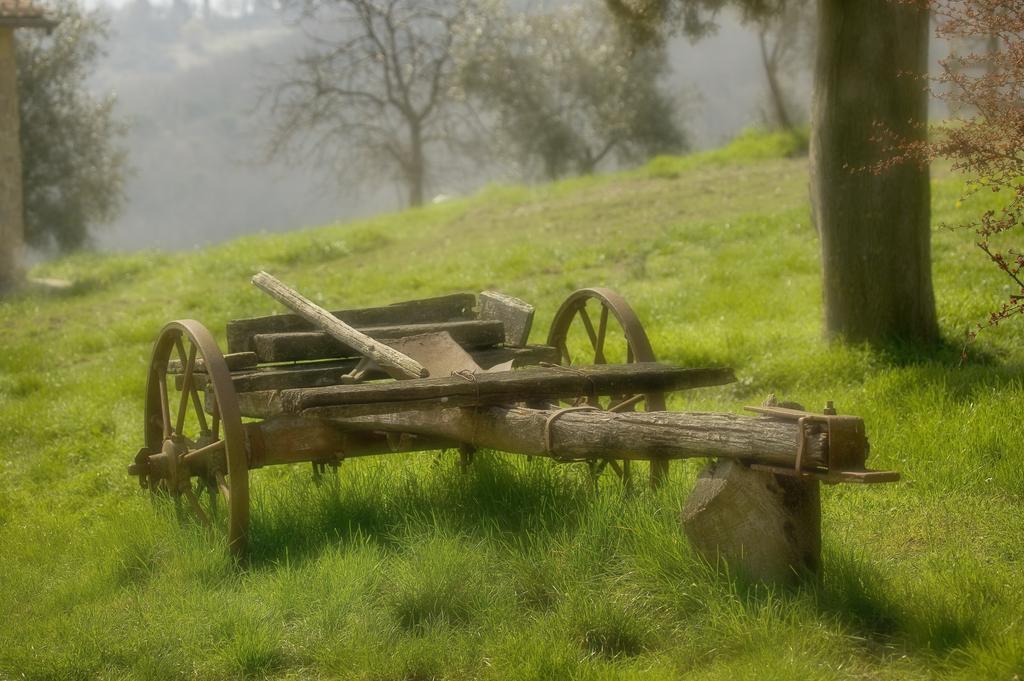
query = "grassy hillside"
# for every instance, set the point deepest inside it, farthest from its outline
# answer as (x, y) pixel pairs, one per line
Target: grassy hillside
(407, 569)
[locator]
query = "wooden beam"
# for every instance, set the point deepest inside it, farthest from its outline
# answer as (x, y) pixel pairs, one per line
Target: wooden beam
(292, 439)
(454, 307)
(310, 345)
(390, 360)
(600, 434)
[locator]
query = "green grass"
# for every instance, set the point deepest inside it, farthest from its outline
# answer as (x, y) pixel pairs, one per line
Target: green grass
(405, 568)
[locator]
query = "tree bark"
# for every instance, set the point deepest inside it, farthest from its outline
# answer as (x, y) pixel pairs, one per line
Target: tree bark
(874, 227)
(11, 219)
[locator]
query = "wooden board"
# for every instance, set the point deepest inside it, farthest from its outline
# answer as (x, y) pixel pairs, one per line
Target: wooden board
(459, 306)
(530, 384)
(516, 315)
(298, 346)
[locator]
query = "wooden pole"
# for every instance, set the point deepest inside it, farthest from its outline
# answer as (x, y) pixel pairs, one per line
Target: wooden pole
(586, 434)
(396, 364)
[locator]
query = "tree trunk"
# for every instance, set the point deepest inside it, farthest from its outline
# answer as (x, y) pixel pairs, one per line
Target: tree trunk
(11, 225)
(874, 227)
(417, 165)
(771, 68)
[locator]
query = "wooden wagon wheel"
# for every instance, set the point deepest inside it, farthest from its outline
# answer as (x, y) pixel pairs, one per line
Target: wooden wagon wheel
(617, 337)
(195, 451)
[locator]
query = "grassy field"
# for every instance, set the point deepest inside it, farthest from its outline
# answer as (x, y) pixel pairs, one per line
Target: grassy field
(406, 569)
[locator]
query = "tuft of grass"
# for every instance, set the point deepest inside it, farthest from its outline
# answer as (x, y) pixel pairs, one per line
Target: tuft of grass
(435, 584)
(614, 626)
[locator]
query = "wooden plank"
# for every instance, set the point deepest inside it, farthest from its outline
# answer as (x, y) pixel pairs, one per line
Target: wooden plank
(390, 360)
(528, 384)
(516, 315)
(290, 347)
(284, 377)
(527, 355)
(236, 361)
(319, 374)
(427, 310)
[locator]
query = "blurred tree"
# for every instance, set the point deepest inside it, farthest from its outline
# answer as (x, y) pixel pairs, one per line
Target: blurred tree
(73, 166)
(651, 21)
(371, 97)
(874, 227)
(786, 42)
(563, 91)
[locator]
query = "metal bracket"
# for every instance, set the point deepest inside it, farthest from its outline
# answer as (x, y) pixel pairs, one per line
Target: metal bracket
(847, 448)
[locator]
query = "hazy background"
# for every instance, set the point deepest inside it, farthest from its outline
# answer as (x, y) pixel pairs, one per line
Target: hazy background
(187, 84)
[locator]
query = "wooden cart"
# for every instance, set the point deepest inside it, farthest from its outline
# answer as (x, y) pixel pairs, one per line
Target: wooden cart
(452, 372)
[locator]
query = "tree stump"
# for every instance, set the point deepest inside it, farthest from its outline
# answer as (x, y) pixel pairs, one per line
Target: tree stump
(766, 527)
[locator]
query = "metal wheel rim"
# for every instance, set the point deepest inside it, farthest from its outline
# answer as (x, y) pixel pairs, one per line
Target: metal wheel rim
(230, 420)
(627, 318)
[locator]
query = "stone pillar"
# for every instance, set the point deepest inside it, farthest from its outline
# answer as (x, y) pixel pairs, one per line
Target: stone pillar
(764, 526)
(12, 234)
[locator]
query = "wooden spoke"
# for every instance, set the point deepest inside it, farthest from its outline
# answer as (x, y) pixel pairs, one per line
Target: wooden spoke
(197, 454)
(196, 508)
(165, 410)
(186, 386)
(197, 404)
(211, 492)
(588, 325)
(222, 485)
(215, 430)
(189, 387)
(602, 331)
(627, 403)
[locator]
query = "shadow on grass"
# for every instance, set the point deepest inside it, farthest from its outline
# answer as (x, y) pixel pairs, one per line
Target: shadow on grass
(514, 501)
(861, 598)
(888, 615)
(299, 518)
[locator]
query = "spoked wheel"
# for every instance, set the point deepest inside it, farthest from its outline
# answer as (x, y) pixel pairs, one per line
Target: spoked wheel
(598, 326)
(195, 451)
